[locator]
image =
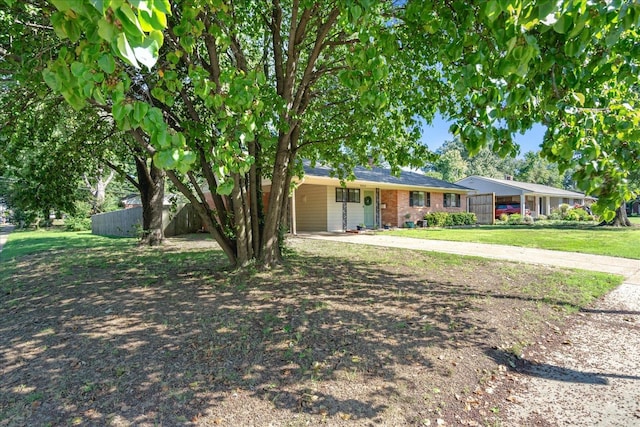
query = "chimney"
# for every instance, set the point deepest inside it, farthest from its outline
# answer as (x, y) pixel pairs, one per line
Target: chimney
(508, 177)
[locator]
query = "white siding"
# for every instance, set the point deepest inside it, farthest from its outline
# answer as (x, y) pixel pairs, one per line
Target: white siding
(355, 213)
(334, 211)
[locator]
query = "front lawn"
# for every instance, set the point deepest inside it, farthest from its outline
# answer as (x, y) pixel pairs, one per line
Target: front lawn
(102, 332)
(585, 238)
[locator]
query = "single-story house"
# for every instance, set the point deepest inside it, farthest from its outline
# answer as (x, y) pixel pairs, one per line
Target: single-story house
(375, 199)
(539, 199)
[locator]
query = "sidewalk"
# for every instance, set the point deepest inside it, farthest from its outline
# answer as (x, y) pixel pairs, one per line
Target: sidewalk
(4, 234)
(629, 268)
(593, 378)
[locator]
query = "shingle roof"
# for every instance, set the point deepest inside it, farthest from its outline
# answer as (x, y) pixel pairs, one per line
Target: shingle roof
(532, 188)
(381, 175)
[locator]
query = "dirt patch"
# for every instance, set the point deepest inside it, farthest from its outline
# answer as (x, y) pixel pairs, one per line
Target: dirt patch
(342, 335)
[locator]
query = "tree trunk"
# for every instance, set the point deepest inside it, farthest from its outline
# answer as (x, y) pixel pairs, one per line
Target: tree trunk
(151, 181)
(620, 220)
(270, 253)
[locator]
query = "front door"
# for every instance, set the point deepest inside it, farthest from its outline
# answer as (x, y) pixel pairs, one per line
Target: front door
(369, 206)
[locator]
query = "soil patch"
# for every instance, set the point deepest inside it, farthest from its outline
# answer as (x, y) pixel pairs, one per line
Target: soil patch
(341, 335)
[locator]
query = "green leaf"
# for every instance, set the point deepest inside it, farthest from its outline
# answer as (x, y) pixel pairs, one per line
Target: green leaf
(107, 64)
(106, 30)
(163, 6)
(77, 68)
(166, 159)
(147, 53)
(563, 24)
(139, 111)
(61, 5)
(225, 187)
(51, 79)
(125, 50)
(118, 111)
(492, 11)
(100, 5)
(579, 97)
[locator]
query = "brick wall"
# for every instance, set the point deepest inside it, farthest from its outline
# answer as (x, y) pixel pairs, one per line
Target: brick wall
(397, 202)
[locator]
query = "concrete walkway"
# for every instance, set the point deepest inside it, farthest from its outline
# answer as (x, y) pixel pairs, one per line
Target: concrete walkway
(629, 268)
(593, 379)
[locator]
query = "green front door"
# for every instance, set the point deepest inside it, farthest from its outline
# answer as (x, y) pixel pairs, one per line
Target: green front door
(369, 206)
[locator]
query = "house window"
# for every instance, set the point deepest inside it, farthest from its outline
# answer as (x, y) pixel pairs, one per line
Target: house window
(419, 198)
(451, 200)
(350, 195)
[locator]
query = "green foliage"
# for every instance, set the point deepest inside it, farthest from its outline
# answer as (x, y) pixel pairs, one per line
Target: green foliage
(445, 219)
(515, 219)
(77, 223)
(570, 66)
(577, 214)
(436, 219)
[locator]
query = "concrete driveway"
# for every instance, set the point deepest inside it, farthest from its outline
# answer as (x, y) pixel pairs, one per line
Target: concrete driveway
(593, 379)
(629, 268)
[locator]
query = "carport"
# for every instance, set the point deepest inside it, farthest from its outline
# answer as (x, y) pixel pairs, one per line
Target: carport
(539, 199)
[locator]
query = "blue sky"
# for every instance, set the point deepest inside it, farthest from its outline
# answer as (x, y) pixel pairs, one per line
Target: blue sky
(436, 134)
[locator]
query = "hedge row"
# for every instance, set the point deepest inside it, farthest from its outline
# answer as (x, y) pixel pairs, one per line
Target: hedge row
(444, 219)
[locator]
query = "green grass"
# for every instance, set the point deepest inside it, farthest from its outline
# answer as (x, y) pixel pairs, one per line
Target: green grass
(21, 243)
(591, 239)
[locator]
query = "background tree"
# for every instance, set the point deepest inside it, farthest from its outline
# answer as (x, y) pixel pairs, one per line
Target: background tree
(27, 43)
(536, 169)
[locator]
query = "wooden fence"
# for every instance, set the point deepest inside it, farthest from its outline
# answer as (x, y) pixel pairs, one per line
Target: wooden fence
(484, 206)
(128, 222)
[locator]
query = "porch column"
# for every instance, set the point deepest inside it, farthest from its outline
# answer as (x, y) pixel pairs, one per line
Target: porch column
(523, 207)
(547, 202)
(294, 219)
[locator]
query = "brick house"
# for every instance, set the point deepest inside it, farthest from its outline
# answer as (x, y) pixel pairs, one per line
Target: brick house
(376, 198)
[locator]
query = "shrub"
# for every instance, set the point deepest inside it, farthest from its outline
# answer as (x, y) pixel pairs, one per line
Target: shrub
(77, 223)
(444, 219)
(515, 219)
(542, 217)
(555, 215)
(436, 219)
(564, 208)
(463, 218)
(577, 214)
(504, 217)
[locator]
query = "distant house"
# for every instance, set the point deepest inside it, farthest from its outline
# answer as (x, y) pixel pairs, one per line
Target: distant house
(376, 198)
(537, 198)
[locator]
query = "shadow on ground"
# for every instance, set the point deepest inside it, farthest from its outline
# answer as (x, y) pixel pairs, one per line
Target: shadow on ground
(171, 336)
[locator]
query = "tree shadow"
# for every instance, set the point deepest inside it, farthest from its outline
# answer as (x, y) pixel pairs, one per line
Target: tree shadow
(617, 312)
(553, 372)
(169, 336)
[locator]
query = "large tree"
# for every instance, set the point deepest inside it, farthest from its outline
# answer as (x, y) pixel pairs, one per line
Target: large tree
(240, 91)
(224, 94)
(65, 146)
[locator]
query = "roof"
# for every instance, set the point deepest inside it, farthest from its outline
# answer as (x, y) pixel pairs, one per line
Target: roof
(384, 176)
(527, 186)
